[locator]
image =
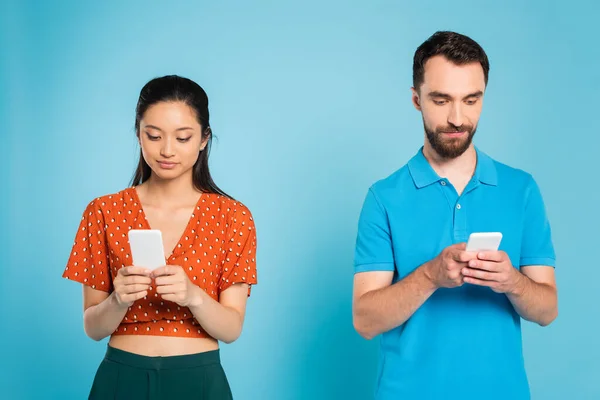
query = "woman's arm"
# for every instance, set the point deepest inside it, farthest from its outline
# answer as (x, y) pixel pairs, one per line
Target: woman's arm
(222, 320)
(103, 312)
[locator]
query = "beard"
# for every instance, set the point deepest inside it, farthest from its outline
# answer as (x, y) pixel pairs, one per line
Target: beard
(450, 148)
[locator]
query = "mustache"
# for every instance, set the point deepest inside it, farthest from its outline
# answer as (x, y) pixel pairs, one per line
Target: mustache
(453, 128)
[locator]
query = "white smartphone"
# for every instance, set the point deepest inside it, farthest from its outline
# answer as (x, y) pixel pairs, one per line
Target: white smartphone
(147, 248)
(484, 241)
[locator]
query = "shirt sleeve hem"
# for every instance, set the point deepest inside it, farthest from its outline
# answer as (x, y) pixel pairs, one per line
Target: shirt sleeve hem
(374, 267)
(547, 261)
(81, 279)
(250, 282)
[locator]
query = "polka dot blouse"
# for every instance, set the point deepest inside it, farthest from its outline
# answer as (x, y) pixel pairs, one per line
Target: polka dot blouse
(217, 249)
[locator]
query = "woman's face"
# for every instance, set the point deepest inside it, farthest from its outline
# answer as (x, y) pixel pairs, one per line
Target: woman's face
(171, 139)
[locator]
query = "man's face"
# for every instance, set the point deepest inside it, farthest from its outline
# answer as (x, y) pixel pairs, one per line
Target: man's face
(450, 100)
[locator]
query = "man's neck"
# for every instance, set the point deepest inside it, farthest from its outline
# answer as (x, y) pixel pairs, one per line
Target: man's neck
(457, 170)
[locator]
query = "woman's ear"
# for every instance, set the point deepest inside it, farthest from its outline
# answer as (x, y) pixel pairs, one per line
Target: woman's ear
(205, 138)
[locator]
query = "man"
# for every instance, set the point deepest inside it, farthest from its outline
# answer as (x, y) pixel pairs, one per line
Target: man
(450, 319)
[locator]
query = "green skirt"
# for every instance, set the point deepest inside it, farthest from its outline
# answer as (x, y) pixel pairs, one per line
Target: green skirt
(124, 375)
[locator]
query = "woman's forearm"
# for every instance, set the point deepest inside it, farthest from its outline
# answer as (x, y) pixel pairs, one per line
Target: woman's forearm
(220, 322)
(102, 319)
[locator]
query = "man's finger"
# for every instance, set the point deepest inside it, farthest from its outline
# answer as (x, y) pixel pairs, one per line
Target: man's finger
(490, 266)
(479, 282)
(462, 256)
(495, 256)
(479, 274)
(461, 246)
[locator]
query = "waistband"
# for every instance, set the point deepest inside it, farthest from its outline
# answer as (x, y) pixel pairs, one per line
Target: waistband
(168, 362)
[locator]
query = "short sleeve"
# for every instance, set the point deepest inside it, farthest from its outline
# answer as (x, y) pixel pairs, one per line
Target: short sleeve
(536, 243)
(88, 262)
(240, 259)
(374, 243)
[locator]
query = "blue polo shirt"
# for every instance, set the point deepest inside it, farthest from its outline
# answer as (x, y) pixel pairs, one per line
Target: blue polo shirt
(465, 342)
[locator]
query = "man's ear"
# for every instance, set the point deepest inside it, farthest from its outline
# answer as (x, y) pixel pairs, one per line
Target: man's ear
(416, 100)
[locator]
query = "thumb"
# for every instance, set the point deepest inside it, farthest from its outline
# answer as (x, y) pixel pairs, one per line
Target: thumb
(461, 246)
(457, 251)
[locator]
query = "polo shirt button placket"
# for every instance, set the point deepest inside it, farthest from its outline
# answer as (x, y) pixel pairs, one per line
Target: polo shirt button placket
(460, 224)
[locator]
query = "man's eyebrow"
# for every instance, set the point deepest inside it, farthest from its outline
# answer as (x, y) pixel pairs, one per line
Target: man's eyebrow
(441, 95)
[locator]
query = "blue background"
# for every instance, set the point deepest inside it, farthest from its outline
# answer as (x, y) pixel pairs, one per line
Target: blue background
(311, 104)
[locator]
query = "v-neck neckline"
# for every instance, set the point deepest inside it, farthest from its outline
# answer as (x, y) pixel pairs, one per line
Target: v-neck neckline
(184, 234)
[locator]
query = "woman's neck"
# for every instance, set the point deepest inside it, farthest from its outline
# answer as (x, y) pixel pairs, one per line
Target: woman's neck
(169, 192)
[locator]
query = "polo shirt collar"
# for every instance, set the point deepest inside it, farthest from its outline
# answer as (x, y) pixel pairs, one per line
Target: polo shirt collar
(485, 171)
(423, 174)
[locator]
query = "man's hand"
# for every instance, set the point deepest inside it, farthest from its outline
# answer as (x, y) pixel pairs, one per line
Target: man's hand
(445, 269)
(494, 270)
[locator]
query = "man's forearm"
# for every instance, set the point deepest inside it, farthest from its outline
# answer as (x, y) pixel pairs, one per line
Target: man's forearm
(381, 310)
(533, 301)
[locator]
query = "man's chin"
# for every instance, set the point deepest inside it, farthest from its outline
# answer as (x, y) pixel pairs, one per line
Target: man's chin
(452, 150)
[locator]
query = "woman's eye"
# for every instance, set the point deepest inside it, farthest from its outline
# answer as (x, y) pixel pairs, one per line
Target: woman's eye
(183, 140)
(151, 137)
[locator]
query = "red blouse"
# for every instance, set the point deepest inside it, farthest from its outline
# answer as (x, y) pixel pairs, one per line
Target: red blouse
(216, 250)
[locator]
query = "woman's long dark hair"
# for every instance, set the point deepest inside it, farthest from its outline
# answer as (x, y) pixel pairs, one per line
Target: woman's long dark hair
(176, 88)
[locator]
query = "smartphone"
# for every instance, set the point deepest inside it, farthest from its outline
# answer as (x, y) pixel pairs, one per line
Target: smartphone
(147, 248)
(484, 241)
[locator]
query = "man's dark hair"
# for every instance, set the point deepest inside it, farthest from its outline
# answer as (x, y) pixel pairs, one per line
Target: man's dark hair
(457, 48)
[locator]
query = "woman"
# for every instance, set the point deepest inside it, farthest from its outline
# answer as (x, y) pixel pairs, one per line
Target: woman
(165, 324)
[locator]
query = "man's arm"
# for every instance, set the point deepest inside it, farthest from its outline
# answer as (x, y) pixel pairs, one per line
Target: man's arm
(532, 292)
(379, 306)
(535, 298)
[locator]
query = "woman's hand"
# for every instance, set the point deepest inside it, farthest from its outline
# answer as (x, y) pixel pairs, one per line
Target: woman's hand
(173, 284)
(131, 284)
